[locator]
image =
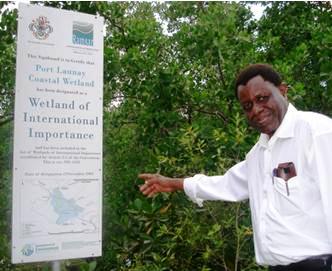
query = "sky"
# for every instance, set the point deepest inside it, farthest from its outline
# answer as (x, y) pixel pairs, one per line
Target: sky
(257, 10)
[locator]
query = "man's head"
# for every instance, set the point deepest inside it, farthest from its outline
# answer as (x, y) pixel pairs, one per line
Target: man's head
(262, 96)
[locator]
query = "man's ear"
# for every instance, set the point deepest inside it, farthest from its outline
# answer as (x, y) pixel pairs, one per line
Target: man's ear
(283, 89)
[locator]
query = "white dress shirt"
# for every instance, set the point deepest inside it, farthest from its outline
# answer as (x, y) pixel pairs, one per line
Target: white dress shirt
(287, 227)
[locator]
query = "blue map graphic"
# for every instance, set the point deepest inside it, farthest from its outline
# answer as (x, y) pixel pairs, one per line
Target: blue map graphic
(59, 206)
(66, 209)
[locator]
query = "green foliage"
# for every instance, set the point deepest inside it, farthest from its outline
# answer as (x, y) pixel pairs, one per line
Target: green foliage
(169, 107)
(7, 63)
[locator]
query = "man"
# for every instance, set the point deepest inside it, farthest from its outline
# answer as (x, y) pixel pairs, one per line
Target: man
(287, 177)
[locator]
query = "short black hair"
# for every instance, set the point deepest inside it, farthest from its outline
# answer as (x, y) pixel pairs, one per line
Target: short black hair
(264, 70)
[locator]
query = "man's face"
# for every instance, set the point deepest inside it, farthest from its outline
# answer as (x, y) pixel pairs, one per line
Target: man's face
(264, 104)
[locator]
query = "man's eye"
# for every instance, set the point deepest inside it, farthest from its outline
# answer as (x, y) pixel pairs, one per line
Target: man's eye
(247, 106)
(262, 98)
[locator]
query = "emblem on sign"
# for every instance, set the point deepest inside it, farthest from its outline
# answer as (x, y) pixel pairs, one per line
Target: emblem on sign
(41, 28)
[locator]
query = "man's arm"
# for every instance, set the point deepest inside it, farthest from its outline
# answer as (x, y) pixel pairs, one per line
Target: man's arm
(156, 183)
(232, 186)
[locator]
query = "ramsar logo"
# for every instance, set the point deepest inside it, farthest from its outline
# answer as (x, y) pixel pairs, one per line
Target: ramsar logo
(28, 250)
(41, 28)
(82, 33)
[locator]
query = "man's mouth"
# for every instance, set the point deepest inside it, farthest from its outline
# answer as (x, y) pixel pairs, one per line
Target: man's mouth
(262, 121)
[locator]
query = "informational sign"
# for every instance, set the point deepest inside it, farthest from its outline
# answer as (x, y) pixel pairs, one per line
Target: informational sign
(57, 167)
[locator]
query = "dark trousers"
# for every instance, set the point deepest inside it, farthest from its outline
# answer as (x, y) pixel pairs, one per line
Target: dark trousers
(320, 263)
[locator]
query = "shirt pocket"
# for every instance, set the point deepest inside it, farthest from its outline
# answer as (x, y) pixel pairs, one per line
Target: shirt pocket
(288, 203)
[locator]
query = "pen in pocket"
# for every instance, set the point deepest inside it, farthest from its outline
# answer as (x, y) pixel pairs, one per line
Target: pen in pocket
(285, 171)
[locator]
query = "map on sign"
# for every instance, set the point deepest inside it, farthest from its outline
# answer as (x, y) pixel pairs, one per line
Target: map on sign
(59, 207)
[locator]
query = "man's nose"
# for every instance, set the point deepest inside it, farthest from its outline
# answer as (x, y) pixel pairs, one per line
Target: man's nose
(256, 109)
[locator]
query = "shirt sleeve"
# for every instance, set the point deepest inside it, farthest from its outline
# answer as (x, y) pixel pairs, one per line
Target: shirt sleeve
(322, 166)
(232, 186)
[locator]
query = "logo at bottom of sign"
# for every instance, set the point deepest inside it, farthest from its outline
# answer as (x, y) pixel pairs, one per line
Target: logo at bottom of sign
(28, 249)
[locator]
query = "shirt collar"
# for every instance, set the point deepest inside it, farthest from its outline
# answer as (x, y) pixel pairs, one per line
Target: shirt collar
(285, 130)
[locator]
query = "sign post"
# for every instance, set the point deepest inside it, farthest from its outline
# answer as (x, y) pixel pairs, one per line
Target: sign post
(57, 166)
(56, 266)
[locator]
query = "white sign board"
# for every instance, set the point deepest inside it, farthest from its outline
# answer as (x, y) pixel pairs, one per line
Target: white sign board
(57, 167)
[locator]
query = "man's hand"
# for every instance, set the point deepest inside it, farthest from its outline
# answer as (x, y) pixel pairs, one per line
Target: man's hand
(155, 183)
